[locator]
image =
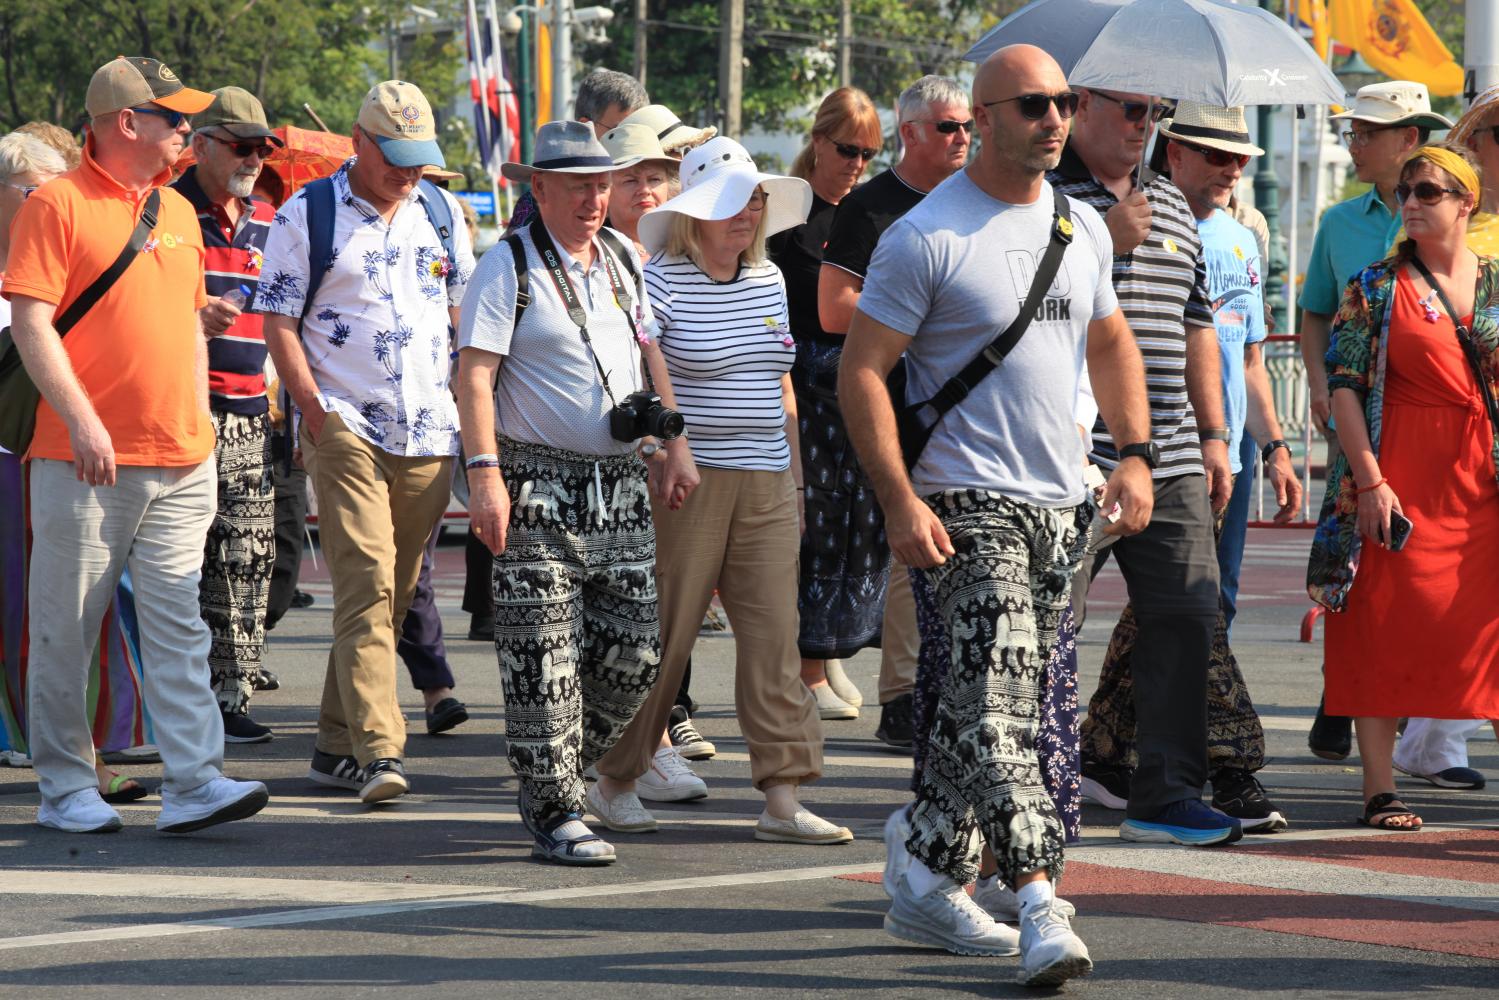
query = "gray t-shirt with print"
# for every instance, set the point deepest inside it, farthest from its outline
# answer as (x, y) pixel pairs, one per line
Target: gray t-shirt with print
(951, 275)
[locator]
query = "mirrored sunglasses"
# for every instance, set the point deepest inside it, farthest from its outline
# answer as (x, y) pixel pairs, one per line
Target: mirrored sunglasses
(174, 118)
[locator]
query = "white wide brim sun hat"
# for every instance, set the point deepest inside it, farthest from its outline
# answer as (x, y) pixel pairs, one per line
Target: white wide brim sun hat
(718, 178)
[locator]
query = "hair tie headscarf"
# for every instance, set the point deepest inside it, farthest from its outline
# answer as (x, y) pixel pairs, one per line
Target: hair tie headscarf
(1459, 168)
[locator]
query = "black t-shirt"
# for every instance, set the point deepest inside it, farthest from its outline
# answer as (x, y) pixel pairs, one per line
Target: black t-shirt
(864, 216)
(798, 253)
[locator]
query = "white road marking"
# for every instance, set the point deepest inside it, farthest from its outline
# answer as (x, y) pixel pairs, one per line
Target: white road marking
(284, 890)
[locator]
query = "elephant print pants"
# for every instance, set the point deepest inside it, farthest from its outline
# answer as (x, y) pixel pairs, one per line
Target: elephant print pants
(238, 556)
(575, 617)
(1000, 596)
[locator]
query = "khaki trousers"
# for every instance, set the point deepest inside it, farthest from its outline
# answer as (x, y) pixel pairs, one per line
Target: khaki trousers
(738, 530)
(900, 639)
(375, 512)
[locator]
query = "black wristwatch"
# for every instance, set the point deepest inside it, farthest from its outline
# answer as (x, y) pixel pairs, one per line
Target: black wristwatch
(1214, 434)
(1148, 450)
(1269, 449)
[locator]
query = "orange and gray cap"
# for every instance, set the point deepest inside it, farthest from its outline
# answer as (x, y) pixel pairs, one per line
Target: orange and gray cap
(131, 81)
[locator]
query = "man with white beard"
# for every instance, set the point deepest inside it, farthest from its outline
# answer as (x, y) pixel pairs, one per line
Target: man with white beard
(231, 142)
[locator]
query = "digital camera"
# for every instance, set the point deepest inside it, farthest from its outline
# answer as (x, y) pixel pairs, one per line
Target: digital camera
(641, 414)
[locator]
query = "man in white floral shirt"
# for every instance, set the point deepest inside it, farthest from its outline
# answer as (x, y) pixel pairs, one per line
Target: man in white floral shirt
(379, 429)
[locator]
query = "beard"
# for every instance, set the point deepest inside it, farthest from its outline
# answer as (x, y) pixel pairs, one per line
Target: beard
(241, 184)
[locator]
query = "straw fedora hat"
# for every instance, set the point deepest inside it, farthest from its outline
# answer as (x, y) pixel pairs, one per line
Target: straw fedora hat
(1482, 107)
(1398, 102)
(1212, 127)
(718, 178)
(674, 136)
(632, 144)
(565, 148)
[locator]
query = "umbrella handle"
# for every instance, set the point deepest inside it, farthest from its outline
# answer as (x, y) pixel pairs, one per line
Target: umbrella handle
(1143, 173)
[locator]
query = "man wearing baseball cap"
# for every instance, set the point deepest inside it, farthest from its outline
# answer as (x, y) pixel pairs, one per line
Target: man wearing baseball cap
(1387, 122)
(369, 373)
(231, 142)
(122, 457)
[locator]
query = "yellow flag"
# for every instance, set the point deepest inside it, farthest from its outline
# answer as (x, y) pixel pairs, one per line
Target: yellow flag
(1313, 14)
(543, 73)
(1396, 40)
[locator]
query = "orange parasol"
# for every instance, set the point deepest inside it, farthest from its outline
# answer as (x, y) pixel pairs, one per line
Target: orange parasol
(306, 156)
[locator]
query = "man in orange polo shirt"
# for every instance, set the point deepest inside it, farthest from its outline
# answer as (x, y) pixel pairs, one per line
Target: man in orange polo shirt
(122, 470)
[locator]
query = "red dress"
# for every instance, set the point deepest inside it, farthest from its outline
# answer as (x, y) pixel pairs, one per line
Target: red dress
(1420, 636)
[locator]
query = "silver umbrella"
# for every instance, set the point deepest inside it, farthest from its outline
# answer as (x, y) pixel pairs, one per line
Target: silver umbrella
(1209, 51)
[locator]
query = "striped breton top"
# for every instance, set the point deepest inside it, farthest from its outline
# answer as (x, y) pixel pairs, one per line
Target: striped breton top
(727, 346)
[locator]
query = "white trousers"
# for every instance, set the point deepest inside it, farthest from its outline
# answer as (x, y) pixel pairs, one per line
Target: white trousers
(1432, 745)
(154, 520)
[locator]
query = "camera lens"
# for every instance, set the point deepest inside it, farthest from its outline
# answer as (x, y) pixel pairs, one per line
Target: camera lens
(666, 424)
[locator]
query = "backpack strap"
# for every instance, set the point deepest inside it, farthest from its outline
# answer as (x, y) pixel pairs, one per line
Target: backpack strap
(440, 214)
(320, 211)
(522, 277)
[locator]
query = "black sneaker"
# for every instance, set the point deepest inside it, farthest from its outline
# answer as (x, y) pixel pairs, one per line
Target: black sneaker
(481, 628)
(1237, 793)
(301, 599)
(240, 728)
(1106, 786)
(897, 723)
(685, 738)
(1331, 737)
(383, 779)
(335, 771)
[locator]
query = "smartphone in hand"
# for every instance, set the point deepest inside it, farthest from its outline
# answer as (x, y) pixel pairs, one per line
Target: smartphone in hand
(1400, 530)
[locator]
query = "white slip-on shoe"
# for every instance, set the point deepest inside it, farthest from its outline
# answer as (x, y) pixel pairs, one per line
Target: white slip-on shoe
(830, 707)
(897, 858)
(1001, 903)
(670, 779)
(622, 814)
(82, 811)
(218, 801)
(1050, 953)
(839, 681)
(947, 918)
(805, 827)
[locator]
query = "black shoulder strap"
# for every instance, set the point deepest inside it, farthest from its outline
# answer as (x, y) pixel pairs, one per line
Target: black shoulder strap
(960, 385)
(522, 280)
(1465, 338)
(93, 293)
(626, 254)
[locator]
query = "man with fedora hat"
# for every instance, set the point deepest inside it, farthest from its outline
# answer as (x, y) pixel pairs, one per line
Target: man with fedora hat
(1387, 122)
(122, 469)
(362, 282)
(231, 142)
(554, 400)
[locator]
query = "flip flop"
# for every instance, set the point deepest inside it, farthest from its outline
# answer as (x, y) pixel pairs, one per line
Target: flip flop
(123, 789)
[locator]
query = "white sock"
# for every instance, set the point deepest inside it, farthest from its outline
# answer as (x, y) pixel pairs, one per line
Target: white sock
(922, 879)
(1034, 893)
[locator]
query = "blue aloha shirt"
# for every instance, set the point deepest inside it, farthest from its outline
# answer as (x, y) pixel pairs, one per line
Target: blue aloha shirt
(377, 339)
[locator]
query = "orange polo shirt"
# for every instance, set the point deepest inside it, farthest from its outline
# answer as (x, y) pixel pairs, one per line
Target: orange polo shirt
(133, 351)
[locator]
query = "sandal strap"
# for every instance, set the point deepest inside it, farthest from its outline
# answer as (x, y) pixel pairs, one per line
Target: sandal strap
(1381, 802)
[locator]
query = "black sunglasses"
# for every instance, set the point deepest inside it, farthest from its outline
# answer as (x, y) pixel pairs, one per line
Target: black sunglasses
(1217, 157)
(1426, 192)
(947, 126)
(242, 148)
(1135, 111)
(1033, 106)
(174, 118)
(849, 152)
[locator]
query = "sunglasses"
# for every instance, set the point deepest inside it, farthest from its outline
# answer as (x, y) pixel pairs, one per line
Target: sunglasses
(243, 149)
(25, 189)
(1135, 111)
(174, 118)
(1351, 138)
(947, 126)
(1217, 157)
(850, 152)
(1033, 106)
(1426, 192)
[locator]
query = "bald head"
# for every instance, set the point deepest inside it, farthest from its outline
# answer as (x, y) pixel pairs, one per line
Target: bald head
(1016, 144)
(1017, 69)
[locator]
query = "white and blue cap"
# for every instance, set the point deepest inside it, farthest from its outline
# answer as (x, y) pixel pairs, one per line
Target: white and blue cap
(564, 148)
(397, 116)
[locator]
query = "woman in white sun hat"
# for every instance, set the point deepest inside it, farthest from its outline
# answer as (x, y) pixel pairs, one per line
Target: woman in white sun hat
(723, 327)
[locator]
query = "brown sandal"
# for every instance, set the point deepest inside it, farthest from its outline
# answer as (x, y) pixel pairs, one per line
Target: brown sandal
(1384, 809)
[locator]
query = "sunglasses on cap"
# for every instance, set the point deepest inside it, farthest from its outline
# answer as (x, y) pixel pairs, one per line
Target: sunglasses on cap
(1217, 157)
(1426, 192)
(947, 126)
(243, 148)
(1135, 111)
(1033, 106)
(850, 152)
(174, 118)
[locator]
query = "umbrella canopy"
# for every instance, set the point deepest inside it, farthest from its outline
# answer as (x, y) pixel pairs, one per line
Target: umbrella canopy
(1208, 51)
(306, 156)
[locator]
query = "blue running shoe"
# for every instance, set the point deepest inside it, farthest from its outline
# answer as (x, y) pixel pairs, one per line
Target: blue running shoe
(1188, 822)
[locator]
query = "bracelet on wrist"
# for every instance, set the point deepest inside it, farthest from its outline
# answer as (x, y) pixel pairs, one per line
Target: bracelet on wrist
(1359, 491)
(489, 461)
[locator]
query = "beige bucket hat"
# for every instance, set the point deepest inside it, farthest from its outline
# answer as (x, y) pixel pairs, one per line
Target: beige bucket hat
(632, 144)
(1398, 102)
(675, 137)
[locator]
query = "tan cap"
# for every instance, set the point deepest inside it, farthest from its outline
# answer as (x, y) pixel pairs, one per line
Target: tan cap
(397, 116)
(130, 81)
(237, 112)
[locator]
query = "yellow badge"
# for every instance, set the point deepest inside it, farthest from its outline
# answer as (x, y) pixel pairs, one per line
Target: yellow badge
(1238, 253)
(1064, 226)
(1170, 245)
(168, 240)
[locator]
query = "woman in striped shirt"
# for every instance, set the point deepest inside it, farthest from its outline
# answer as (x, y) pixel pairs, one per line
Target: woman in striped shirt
(723, 328)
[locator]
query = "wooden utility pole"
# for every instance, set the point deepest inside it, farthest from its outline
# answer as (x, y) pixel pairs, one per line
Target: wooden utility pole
(731, 64)
(846, 43)
(640, 22)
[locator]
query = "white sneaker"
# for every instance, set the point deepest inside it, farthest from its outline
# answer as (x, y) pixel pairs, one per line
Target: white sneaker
(830, 706)
(1050, 954)
(670, 779)
(844, 688)
(82, 811)
(947, 918)
(622, 814)
(1001, 903)
(897, 858)
(221, 800)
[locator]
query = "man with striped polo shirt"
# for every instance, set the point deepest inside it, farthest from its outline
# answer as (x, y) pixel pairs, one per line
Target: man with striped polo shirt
(1171, 567)
(230, 144)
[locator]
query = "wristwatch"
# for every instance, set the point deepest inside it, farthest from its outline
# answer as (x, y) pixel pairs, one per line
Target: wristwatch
(1214, 434)
(1269, 449)
(1148, 450)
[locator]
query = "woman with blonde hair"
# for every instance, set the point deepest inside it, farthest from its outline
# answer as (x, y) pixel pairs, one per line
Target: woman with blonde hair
(844, 558)
(1410, 525)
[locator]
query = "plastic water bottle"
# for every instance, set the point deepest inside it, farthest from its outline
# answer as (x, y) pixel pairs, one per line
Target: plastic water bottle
(237, 297)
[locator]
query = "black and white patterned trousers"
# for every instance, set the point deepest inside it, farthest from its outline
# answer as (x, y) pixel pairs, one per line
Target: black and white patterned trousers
(238, 556)
(1001, 596)
(576, 625)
